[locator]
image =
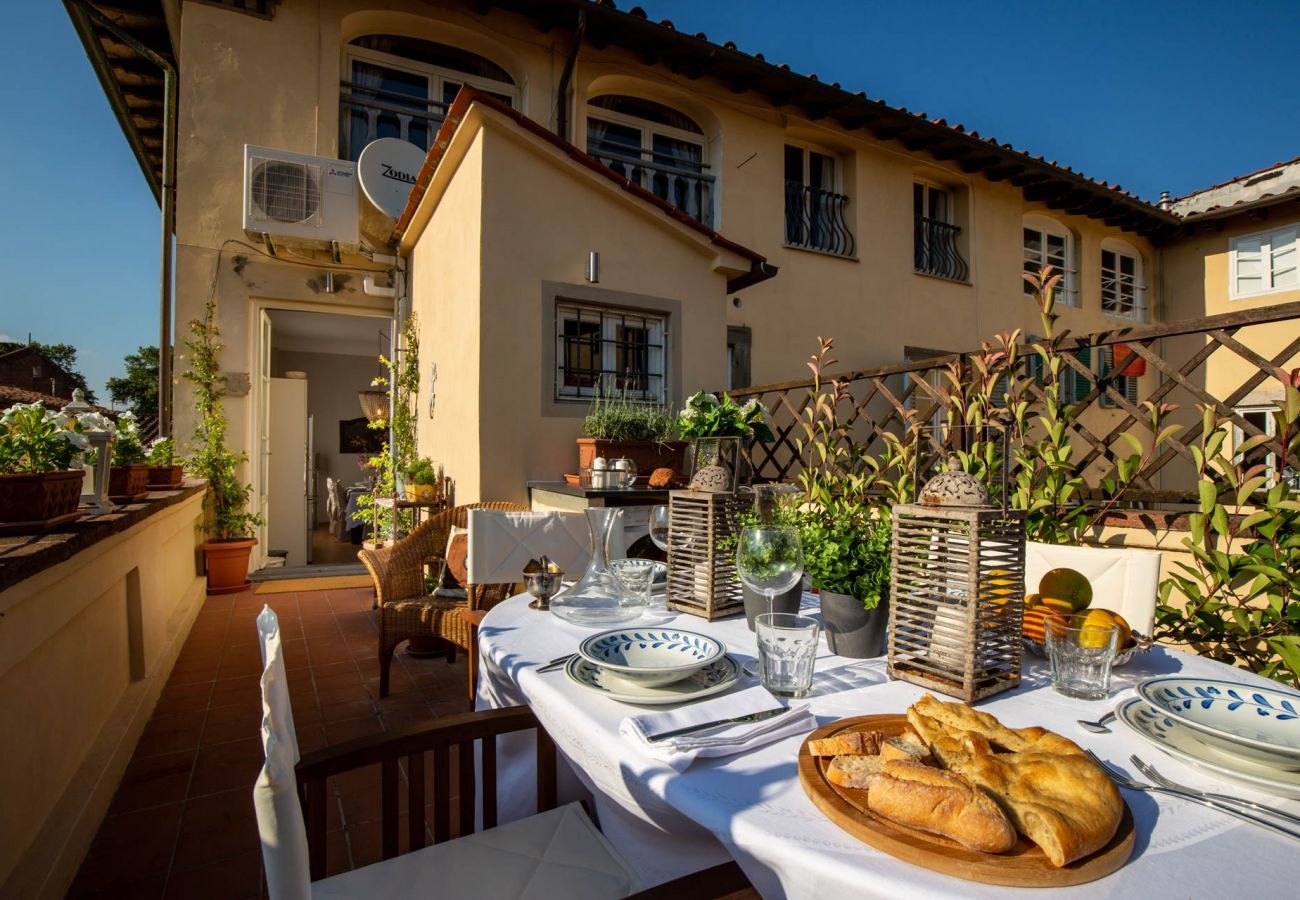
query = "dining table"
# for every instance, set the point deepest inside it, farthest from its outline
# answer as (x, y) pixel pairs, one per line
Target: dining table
(750, 807)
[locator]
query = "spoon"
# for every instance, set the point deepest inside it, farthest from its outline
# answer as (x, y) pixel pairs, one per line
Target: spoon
(1099, 727)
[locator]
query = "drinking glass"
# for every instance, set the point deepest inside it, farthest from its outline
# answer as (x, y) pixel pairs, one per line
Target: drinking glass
(638, 577)
(787, 650)
(769, 560)
(659, 527)
(1081, 658)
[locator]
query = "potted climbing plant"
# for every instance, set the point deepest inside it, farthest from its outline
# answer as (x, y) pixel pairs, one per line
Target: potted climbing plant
(227, 523)
(38, 485)
(128, 477)
(165, 470)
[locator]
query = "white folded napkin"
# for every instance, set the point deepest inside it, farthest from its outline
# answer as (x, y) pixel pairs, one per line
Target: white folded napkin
(680, 752)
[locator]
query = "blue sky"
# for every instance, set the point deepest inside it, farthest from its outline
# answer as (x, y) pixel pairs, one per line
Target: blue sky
(1159, 95)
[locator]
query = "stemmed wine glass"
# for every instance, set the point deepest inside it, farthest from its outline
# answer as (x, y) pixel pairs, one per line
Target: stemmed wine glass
(659, 527)
(769, 560)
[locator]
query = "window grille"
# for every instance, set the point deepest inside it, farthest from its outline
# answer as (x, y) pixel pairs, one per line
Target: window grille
(607, 350)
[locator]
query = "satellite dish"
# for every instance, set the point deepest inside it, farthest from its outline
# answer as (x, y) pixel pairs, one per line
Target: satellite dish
(387, 170)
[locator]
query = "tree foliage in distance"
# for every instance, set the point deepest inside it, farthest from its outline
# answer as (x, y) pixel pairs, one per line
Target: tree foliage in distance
(138, 389)
(65, 355)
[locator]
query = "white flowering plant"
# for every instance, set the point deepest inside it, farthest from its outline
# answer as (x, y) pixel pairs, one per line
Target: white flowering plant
(34, 439)
(128, 449)
(708, 416)
(161, 452)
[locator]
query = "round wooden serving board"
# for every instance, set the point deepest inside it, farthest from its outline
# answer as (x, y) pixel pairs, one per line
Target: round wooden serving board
(1022, 866)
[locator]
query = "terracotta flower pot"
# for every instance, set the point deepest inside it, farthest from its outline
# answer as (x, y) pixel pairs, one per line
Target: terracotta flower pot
(645, 455)
(227, 564)
(125, 483)
(39, 499)
(166, 477)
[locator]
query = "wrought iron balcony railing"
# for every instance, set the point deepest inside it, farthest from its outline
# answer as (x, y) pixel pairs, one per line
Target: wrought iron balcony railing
(368, 113)
(816, 219)
(936, 250)
(688, 187)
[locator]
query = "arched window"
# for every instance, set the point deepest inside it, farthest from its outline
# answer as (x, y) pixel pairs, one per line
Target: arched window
(1049, 243)
(1123, 291)
(397, 86)
(655, 146)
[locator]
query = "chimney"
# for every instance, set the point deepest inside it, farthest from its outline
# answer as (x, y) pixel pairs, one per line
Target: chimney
(1165, 203)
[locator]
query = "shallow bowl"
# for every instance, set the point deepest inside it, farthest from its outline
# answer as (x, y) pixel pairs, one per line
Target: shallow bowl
(1254, 723)
(651, 656)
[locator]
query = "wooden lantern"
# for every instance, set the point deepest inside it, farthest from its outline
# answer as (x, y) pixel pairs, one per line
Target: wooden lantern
(957, 598)
(702, 577)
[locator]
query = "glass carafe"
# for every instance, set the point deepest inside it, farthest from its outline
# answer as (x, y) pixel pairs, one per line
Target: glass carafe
(598, 599)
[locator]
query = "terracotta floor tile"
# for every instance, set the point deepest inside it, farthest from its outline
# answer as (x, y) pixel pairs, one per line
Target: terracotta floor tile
(148, 886)
(171, 734)
(130, 849)
(180, 698)
(236, 691)
(342, 693)
(348, 709)
(153, 781)
(232, 723)
(216, 827)
(233, 878)
(223, 767)
(337, 732)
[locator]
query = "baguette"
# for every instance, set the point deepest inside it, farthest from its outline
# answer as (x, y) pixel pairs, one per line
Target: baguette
(944, 803)
(906, 749)
(853, 743)
(854, 771)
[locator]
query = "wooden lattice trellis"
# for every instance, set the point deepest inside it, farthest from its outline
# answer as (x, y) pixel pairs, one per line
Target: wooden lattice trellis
(882, 399)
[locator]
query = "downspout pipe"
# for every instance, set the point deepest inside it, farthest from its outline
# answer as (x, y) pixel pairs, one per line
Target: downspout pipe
(562, 89)
(165, 191)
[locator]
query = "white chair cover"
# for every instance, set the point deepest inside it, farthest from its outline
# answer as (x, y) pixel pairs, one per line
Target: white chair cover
(275, 793)
(502, 543)
(1124, 580)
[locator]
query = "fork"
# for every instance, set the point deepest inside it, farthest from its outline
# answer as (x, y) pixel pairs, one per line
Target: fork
(1124, 780)
(557, 663)
(1150, 772)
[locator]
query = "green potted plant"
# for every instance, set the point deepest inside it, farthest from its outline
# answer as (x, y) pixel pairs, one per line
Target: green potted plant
(618, 426)
(227, 522)
(844, 522)
(128, 477)
(422, 481)
(165, 471)
(716, 427)
(38, 485)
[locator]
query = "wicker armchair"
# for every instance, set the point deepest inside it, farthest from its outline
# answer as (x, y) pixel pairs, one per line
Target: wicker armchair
(405, 609)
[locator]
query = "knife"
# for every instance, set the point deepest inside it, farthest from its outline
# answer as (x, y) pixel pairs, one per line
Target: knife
(708, 726)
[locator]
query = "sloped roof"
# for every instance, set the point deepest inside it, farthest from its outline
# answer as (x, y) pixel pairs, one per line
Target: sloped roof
(760, 269)
(1268, 186)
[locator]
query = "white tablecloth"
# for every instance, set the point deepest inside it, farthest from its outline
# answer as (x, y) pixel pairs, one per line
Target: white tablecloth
(752, 808)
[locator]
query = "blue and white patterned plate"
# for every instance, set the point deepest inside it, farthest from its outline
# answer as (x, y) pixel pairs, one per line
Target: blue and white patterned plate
(651, 656)
(1185, 745)
(714, 678)
(1255, 723)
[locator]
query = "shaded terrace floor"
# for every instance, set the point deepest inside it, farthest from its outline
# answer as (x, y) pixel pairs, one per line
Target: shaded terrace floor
(182, 823)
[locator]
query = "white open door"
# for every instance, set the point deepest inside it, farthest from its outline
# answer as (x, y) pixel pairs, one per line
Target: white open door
(262, 436)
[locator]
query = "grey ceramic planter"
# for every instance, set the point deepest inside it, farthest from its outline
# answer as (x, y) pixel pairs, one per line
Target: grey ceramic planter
(756, 603)
(851, 630)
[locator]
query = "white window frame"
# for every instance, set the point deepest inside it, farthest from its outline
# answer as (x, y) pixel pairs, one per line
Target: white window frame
(927, 185)
(1124, 385)
(838, 163)
(1121, 248)
(608, 316)
(1269, 249)
(1068, 294)
(1270, 429)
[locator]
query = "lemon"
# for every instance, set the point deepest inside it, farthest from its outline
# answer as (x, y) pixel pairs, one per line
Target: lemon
(1065, 588)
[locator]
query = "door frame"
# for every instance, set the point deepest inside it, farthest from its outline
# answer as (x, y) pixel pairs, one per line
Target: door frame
(256, 421)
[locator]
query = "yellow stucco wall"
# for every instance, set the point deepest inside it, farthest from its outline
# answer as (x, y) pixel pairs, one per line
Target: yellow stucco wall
(85, 650)
(275, 83)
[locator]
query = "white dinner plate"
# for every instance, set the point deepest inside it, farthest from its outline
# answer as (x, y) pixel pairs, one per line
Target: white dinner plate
(712, 679)
(1183, 744)
(1258, 723)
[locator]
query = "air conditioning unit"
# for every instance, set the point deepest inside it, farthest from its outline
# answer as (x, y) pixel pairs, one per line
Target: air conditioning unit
(300, 200)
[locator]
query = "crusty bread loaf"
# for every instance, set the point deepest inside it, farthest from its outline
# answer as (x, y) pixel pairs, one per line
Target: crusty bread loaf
(1061, 802)
(857, 743)
(854, 771)
(1053, 793)
(904, 748)
(919, 796)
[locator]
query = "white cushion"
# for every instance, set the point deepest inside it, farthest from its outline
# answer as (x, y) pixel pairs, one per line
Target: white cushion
(275, 793)
(1124, 580)
(554, 854)
(502, 543)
